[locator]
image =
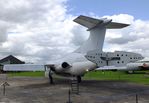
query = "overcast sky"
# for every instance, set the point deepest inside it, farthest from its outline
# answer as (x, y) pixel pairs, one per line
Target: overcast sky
(43, 30)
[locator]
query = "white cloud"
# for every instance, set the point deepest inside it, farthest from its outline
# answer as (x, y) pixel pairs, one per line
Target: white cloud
(133, 38)
(35, 29)
(41, 30)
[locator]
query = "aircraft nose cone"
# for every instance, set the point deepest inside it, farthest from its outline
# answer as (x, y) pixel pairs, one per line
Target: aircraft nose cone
(145, 65)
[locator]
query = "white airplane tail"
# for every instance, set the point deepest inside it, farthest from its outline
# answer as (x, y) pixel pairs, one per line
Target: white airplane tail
(97, 28)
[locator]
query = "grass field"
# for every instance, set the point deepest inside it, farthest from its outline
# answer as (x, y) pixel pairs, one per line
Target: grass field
(30, 74)
(141, 77)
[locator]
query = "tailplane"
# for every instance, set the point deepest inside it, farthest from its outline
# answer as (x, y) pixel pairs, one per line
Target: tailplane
(97, 28)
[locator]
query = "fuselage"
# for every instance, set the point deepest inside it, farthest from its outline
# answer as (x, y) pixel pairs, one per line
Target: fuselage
(139, 65)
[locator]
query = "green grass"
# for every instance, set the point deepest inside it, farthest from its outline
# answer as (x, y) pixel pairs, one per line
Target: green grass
(137, 77)
(141, 77)
(29, 74)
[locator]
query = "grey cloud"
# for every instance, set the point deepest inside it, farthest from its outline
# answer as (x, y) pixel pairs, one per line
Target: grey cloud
(122, 40)
(3, 31)
(79, 35)
(3, 35)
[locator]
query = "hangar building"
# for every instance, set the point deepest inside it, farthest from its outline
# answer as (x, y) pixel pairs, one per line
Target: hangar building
(10, 60)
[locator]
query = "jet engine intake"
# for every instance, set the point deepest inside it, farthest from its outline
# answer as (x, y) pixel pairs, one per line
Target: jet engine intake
(65, 65)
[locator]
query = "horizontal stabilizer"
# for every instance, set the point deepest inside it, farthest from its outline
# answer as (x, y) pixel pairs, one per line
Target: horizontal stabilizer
(114, 25)
(87, 21)
(103, 22)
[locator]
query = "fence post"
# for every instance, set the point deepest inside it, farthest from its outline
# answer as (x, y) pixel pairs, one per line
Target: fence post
(136, 98)
(69, 97)
(4, 87)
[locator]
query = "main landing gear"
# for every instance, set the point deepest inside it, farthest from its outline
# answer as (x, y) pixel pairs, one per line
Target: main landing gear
(79, 79)
(50, 78)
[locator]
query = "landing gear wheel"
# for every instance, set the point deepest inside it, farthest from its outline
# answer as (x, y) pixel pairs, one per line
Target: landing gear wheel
(79, 79)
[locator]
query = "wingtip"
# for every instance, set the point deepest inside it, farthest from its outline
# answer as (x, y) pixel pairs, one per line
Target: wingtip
(78, 17)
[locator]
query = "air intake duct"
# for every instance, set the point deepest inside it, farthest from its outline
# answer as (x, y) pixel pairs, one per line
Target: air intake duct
(65, 65)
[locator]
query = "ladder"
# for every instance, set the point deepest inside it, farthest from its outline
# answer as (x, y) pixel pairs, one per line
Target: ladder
(74, 86)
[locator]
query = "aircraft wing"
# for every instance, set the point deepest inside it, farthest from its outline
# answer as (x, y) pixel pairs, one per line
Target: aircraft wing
(128, 67)
(112, 68)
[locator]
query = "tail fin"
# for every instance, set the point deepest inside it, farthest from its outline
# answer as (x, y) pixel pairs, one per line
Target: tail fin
(97, 28)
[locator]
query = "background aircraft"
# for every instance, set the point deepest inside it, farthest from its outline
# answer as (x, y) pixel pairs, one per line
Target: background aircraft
(76, 64)
(118, 60)
(139, 65)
